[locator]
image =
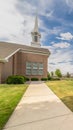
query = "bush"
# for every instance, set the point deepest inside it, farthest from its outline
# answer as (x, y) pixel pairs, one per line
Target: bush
(21, 76)
(34, 79)
(49, 77)
(27, 79)
(44, 79)
(55, 79)
(15, 79)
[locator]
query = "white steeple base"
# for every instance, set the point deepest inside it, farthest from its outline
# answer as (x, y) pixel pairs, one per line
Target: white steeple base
(34, 44)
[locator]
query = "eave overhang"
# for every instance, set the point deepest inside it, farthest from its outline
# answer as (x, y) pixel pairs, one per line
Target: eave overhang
(33, 51)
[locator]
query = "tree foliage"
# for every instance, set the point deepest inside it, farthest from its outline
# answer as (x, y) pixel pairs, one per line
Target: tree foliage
(58, 73)
(68, 75)
(52, 73)
(49, 76)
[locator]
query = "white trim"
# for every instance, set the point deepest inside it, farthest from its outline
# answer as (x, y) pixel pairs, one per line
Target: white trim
(25, 51)
(12, 54)
(34, 50)
(39, 52)
(35, 44)
(3, 60)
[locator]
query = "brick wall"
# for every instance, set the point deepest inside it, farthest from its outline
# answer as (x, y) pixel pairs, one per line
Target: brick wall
(6, 69)
(0, 72)
(29, 57)
(17, 65)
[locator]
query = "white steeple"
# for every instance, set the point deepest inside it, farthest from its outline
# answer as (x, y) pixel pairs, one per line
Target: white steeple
(35, 34)
(36, 24)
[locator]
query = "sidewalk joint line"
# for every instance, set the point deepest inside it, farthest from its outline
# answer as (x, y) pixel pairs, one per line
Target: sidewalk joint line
(30, 122)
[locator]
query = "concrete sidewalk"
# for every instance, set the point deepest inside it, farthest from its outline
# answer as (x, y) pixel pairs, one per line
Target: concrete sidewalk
(40, 109)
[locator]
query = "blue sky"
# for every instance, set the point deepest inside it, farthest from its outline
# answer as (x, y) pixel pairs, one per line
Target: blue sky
(55, 24)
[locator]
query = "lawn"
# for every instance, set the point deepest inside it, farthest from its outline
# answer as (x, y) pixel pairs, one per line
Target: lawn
(64, 90)
(10, 95)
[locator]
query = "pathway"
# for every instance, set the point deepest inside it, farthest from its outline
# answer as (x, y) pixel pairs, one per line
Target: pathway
(40, 109)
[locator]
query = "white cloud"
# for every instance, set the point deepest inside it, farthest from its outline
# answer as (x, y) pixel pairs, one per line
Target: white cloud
(16, 24)
(65, 36)
(48, 32)
(49, 14)
(42, 4)
(13, 25)
(55, 30)
(59, 59)
(61, 45)
(64, 67)
(70, 5)
(12, 18)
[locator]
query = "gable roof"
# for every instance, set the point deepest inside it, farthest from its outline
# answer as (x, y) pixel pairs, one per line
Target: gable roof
(8, 49)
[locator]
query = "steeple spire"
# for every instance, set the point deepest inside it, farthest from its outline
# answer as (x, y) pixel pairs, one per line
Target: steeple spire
(35, 34)
(36, 24)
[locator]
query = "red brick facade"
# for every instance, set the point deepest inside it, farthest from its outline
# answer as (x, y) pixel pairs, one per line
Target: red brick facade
(17, 65)
(29, 57)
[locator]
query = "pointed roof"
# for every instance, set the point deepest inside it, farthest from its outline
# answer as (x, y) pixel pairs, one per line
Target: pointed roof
(36, 24)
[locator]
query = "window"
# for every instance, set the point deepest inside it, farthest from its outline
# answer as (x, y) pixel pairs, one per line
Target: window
(40, 72)
(28, 65)
(28, 71)
(40, 65)
(28, 68)
(34, 68)
(34, 72)
(35, 65)
(36, 38)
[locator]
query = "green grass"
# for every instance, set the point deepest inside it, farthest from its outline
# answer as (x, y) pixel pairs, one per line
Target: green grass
(10, 95)
(64, 90)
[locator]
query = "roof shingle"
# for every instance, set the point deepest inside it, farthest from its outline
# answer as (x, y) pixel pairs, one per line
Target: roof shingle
(6, 49)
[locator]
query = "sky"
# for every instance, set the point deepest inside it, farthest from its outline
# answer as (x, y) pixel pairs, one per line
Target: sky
(55, 25)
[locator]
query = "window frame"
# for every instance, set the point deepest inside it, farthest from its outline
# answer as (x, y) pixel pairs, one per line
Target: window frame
(35, 68)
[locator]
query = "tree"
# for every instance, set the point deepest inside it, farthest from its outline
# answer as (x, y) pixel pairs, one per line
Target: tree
(68, 75)
(58, 73)
(52, 73)
(48, 76)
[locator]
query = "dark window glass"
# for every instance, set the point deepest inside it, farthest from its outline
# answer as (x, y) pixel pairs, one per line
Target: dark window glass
(36, 39)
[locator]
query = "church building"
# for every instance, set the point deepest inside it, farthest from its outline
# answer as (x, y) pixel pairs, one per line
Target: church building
(30, 61)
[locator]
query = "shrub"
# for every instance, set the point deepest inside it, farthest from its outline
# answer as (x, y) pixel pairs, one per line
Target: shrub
(15, 79)
(44, 79)
(34, 79)
(27, 79)
(55, 79)
(21, 76)
(49, 77)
